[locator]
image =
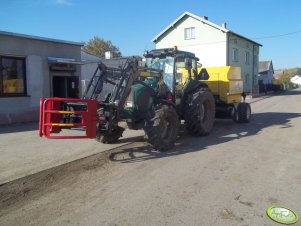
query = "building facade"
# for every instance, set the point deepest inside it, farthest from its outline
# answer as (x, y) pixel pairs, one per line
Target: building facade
(214, 45)
(266, 72)
(32, 67)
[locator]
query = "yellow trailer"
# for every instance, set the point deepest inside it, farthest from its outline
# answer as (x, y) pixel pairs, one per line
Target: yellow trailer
(226, 84)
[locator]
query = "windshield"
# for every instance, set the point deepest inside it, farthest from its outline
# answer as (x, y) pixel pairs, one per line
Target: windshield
(167, 67)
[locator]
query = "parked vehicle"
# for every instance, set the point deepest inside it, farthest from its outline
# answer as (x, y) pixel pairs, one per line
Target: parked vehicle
(154, 94)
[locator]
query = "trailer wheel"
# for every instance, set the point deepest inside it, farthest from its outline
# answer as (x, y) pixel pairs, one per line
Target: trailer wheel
(200, 113)
(110, 138)
(162, 129)
(243, 113)
(235, 116)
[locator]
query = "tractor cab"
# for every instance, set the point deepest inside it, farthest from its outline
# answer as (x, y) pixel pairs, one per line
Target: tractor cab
(179, 70)
(177, 67)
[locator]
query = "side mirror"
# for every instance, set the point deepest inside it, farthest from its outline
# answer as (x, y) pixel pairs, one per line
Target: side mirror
(203, 75)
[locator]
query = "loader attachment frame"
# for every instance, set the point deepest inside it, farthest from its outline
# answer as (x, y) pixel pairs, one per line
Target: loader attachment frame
(54, 116)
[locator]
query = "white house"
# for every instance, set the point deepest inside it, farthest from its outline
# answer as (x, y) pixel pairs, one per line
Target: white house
(214, 45)
(296, 79)
(265, 72)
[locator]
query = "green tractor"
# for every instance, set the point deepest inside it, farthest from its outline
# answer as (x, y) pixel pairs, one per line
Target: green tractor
(155, 94)
(159, 105)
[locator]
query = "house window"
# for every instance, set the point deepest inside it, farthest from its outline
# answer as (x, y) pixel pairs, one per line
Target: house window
(235, 55)
(189, 33)
(255, 49)
(12, 76)
(247, 58)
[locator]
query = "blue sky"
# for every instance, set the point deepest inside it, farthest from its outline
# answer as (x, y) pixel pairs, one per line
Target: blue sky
(131, 24)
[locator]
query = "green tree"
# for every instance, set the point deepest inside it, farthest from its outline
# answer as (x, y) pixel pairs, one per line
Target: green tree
(98, 46)
(285, 78)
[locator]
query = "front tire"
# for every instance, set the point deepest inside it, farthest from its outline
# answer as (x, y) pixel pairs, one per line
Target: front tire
(200, 113)
(110, 138)
(162, 129)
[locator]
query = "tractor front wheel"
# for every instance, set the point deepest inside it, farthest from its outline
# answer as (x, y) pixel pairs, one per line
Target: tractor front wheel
(162, 129)
(200, 113)
(110, 138)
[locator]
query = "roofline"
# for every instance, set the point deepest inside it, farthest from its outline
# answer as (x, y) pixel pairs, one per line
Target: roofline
(205, 22)
(191, 15)
(6, 33)
(270, 62)
(250, 40)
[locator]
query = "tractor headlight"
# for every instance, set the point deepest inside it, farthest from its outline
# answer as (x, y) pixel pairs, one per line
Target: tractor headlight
(129, 100)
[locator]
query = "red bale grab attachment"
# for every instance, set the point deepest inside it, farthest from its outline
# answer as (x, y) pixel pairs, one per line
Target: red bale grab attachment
(53, 117)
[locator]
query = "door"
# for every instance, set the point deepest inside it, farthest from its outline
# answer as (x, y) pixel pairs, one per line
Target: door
(65, 86)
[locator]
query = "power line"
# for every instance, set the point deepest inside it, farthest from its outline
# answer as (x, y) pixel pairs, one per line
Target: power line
(280, 35)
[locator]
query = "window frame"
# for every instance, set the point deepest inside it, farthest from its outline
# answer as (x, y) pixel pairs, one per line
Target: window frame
(24, 77)
(235, 56)
(191, 33)
(247, 58)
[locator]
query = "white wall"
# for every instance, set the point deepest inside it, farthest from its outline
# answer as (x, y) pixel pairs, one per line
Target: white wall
(35, 52)
(209, 44)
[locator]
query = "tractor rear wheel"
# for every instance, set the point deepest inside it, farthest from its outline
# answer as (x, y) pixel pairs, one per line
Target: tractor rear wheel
(200, 113)
(162, 129)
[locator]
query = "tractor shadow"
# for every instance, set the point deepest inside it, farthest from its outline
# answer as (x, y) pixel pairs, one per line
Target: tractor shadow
(223, 131)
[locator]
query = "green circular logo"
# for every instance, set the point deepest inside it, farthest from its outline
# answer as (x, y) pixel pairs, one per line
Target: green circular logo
(282, 215)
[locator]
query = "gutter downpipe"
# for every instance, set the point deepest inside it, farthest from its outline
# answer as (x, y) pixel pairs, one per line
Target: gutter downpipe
(227, 49)
(253, 76)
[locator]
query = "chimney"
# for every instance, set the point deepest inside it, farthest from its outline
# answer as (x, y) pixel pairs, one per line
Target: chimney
(206, 17)
(224, 25)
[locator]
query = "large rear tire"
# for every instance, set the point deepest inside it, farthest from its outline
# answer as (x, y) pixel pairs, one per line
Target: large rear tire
(200, 113)
(162, 129)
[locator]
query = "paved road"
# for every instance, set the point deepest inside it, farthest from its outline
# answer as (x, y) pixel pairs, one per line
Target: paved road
(23, 152)
(228, 178)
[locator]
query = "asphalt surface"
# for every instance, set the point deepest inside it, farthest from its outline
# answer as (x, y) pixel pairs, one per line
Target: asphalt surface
(24, 153)
(228, 178)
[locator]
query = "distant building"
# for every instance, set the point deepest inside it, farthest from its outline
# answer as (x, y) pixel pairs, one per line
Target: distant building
(214, 45)
(90, 63)
(266, 72)
(296, 80)
(34, 67)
